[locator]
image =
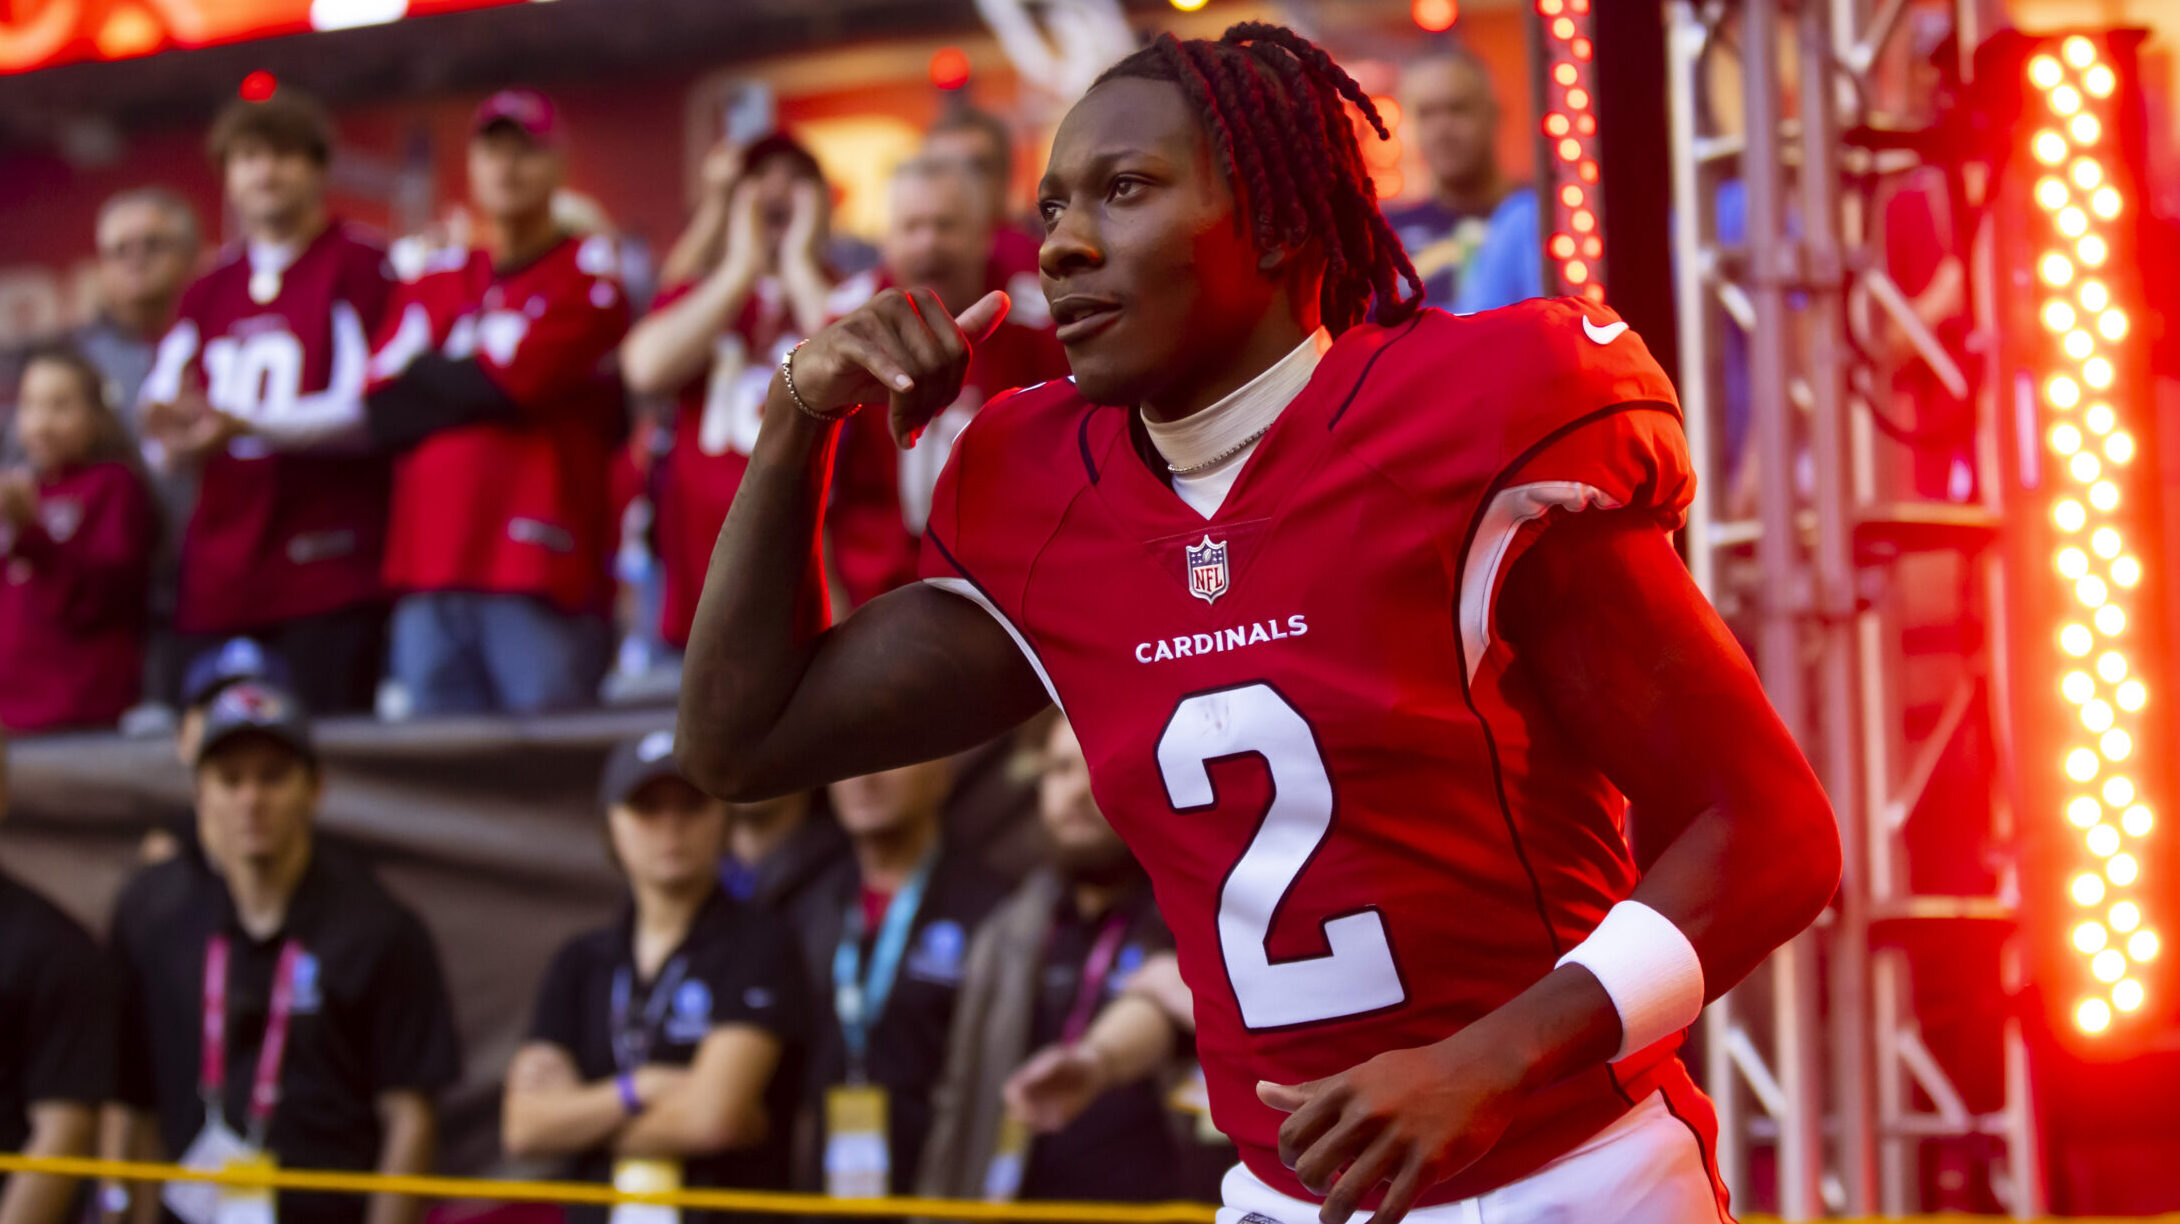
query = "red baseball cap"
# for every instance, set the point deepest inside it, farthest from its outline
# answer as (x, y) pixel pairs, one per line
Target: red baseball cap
(530, 111)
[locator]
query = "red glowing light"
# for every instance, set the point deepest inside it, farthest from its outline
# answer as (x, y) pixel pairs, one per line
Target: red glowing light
(1564, 74)
(1586, 124)
(1555, 125)
(1582, 48)
(949, 68)
(1593, 246)
(1578, 99)
(1562, 246)
(1563, 28)
(1584, 221)
(1576, 271)
(1550, 8)
(1570, 195)
(1569, 149)
(1588, 171)
(1437, 16)
(258, 86)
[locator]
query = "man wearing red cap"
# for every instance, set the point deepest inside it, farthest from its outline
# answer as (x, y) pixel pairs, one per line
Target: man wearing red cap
(492, 376)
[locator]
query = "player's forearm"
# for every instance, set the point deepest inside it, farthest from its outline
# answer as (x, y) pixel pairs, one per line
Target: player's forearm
(763, 604)
(56, 1129)
(1750, 872)
(671, 346)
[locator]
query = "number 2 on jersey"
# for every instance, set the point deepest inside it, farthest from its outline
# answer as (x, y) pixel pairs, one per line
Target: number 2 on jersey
(1357, 975)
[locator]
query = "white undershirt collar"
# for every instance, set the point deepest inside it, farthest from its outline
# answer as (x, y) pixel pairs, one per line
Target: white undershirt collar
(1244, 414)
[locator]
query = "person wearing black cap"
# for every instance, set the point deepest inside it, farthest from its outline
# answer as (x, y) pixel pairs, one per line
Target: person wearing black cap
(56, 1043)
(277, 1004)
(210, 671)
(713, 341)
(492, 377)
(665, 1049)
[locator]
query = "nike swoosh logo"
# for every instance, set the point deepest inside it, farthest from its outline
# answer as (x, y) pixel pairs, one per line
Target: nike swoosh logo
(1606, 334)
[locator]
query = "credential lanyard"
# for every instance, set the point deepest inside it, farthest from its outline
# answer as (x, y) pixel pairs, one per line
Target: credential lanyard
(1096, 968)
(212, 1063)
(632, 1045)
(858, 999)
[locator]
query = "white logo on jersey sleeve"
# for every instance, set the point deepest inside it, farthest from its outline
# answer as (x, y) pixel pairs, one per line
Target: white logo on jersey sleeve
(1603, 335)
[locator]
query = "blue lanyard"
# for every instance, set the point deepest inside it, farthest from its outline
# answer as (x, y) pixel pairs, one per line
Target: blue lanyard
(858, 1000)
(632, 1045)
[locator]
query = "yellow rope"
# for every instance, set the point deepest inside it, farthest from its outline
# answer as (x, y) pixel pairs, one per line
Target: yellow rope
(751, 1201)
(767, 1202)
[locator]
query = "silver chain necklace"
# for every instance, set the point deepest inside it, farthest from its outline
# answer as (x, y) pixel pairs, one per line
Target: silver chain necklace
(1221, 457)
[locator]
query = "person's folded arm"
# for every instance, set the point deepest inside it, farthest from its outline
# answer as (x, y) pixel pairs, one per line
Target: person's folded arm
(549, 1111)
(717, 1107)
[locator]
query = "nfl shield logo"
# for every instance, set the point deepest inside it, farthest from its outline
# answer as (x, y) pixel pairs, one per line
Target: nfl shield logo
(1207, 570)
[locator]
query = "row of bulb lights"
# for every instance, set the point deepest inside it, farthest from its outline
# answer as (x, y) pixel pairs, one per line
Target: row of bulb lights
(2085, 437)
(1577, 244)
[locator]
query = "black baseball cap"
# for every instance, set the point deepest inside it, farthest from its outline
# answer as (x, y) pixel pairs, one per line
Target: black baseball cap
(232, 660)
(636, 763)
(253, 707)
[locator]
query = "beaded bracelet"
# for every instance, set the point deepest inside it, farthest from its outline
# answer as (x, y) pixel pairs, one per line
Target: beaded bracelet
(787, 375)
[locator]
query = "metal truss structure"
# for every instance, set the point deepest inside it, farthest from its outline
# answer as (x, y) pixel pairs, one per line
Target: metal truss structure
(1812, 546)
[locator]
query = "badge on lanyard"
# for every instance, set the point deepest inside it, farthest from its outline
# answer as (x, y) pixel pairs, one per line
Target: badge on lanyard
(858, 1157)
(858, 1160)
(632, 1038)
(632, 1176)
(1010, 1158)
(218, 1148)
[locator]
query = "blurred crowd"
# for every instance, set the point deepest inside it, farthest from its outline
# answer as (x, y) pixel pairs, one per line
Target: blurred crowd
(488, 482)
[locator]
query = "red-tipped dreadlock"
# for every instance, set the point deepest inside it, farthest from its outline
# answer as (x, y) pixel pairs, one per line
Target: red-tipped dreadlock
(1274, 106)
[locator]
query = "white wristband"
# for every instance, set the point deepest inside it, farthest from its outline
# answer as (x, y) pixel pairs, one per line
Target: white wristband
(1649, 969)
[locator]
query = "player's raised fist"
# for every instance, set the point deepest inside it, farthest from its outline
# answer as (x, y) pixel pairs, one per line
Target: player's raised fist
(900, 349)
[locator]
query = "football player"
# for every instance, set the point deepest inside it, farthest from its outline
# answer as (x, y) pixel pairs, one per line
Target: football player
(258, 387)
(1371, 628)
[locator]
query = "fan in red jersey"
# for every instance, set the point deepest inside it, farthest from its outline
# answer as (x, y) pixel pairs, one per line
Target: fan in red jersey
(712, 343)
(938, 234)
(493, 367)
(980, 144)
(1368, 620)
(258, 385)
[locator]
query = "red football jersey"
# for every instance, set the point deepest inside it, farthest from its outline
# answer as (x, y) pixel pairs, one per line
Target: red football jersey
(73, 585)
(881, 494)
(714, 429)
(1362, 826)
(520, 507)
(279, 536)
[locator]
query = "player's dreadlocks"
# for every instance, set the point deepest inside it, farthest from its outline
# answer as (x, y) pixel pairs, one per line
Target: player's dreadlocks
(1273, 100)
